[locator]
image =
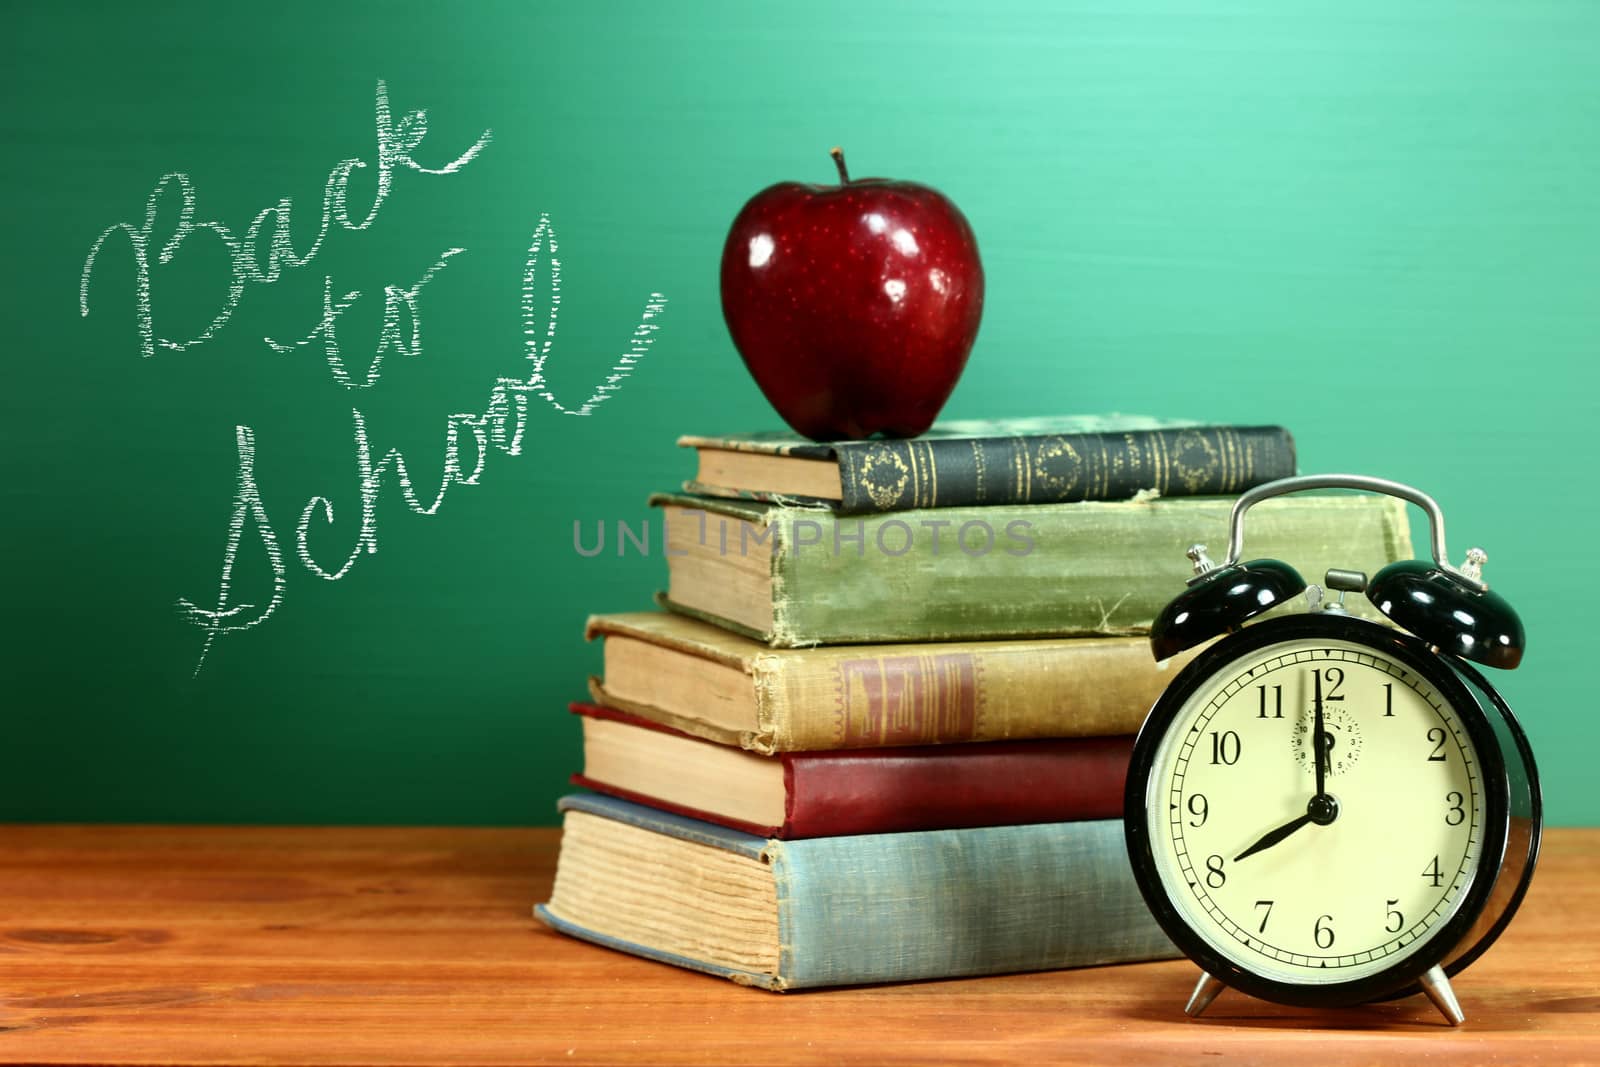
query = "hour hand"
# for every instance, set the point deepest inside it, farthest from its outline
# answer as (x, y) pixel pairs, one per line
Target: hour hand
(1322, 809)
(1272, 837)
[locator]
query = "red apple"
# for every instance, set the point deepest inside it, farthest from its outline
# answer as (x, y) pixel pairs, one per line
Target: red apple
(854, 305)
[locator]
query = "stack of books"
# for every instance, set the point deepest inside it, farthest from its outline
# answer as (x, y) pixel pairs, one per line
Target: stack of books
(880, 728)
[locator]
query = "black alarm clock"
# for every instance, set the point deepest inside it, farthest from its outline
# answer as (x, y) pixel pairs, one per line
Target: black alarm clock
(1326, 811)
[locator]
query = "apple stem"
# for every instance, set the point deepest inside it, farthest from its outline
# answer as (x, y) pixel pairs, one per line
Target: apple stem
(838, 160)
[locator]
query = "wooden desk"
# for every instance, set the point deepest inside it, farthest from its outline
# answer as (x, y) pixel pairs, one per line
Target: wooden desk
(379, 946)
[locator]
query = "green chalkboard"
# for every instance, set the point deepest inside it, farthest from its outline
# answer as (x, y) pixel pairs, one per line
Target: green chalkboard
(254, 257)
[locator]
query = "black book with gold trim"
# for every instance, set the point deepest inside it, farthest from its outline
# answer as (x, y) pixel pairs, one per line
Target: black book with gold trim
(977, 463)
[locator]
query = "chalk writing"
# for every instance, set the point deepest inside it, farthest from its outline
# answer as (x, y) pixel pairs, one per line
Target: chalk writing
(500, 425)
(247, 507)
(260, 258)
(396, 142)
(389, 336)
(539, 349)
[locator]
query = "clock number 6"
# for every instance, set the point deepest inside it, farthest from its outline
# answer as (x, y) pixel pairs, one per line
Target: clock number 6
(1324, 934)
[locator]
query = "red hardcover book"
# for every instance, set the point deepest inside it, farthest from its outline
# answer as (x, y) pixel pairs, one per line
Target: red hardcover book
(852, 791)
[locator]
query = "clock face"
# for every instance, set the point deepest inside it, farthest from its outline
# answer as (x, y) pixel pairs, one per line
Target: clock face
(1309, 888)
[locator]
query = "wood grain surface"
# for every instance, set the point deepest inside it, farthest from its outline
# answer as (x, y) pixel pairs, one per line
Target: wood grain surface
(389, 946)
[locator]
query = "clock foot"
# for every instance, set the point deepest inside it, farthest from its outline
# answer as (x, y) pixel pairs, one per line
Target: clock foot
(1437, 986)
(1205, 991)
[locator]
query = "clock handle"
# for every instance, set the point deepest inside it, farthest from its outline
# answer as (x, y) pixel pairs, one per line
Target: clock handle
(1468, 573)
(1449, 607)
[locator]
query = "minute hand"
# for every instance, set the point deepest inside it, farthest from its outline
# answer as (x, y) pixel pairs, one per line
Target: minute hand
(1318, 746)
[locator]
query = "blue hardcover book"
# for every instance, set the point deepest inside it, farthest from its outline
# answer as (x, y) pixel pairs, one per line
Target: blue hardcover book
(836, 911)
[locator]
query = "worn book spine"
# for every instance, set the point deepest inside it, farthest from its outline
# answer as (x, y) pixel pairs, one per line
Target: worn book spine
(855, 696)
(933, 787)
(875, 791)
(935, 904)
(976, 573)
(864, 697)
(895, 475)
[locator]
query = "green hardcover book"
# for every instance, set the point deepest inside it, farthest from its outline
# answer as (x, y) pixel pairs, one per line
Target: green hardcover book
(797, 576)
(978, 463)
(836, 911)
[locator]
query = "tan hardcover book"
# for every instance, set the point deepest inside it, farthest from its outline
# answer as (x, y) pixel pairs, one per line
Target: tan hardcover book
(716, 684)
